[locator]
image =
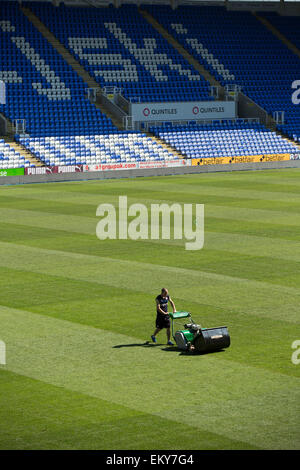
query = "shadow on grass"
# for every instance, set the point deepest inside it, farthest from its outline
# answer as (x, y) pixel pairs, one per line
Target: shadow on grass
(190, 353)
(147, 344)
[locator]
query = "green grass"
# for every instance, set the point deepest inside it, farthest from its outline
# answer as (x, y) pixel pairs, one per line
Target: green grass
(75, 313)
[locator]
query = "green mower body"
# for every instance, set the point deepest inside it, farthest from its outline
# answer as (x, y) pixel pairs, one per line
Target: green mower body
(201, 339)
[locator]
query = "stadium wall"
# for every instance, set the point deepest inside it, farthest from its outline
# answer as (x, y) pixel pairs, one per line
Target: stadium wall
(134, 173)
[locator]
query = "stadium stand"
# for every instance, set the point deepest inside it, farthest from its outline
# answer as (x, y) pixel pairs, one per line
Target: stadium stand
(237, 49)
(9, 158)
(119, 48)
(45, 91)
(93, 149)
(224, 139)
(289, 27)
(40, 84)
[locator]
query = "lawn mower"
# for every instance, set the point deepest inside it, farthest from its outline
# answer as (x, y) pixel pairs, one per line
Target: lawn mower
(194, 338)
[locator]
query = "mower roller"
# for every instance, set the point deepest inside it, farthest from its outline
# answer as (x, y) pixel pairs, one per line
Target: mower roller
(195, 338)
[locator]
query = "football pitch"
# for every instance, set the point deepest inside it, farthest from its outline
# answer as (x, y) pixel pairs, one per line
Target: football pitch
(76, 312)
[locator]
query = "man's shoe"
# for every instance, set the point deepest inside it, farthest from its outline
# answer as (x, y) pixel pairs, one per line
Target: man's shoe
(170, 343)
(154, 339)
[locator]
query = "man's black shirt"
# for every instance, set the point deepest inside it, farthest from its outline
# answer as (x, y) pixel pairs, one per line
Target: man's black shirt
(163, 302)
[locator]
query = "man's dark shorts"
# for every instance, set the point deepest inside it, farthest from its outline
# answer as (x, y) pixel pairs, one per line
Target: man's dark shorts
(162, 321)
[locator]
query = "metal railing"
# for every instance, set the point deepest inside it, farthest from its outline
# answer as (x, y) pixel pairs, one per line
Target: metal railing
(214, 91)
(127, 123)
(202, 122)
(92, 94)
(3, 125)
(20, 126)
(232, 92)
(247, 107)
(279, 117)
(111, 90)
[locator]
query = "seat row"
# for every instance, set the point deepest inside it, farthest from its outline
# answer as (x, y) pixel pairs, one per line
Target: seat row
(225, 140)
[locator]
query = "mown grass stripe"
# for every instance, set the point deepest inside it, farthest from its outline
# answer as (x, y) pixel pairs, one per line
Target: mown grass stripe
(79, 224)
(238, 243)
(219, 212)
(89, 303)
(87, 208)
(248, 266)
(57, 418)
(259, 298)
(84, 359)
(169, 192)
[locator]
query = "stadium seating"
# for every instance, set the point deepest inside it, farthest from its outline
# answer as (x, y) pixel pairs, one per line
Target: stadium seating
(237, 49)
(41, 87)
(63, 126)
(289, 26)
(120, 48)
(224, 139)
(95, 149)
(9, 158)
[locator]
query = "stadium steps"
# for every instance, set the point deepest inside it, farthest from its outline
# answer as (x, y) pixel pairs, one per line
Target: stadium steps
(271, 124)
(76, 66)
(168, 147)
(9, 139)
(278, 34)
(23, 151)
(291, 141)
(187, 56)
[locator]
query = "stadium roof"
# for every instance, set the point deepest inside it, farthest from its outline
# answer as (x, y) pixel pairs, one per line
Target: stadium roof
(282, 6)
(96, 3)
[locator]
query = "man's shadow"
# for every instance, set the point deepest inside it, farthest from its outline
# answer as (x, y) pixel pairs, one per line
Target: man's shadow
(147, 344)
(190, 353)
